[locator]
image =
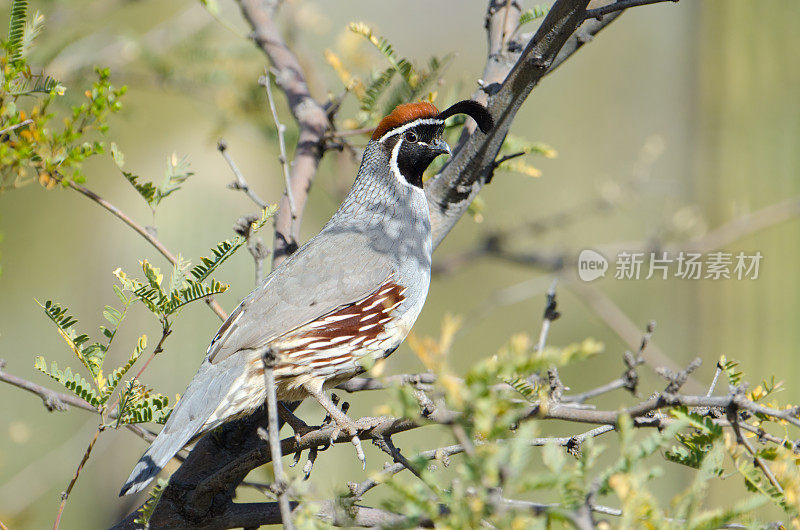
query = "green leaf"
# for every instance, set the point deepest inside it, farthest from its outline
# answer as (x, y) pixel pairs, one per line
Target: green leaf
(730, 368)
(177, 173)
(32, 30)
(193, 291)
(227, 248)
(177, 280)
(538, 11)
(138, 404)
(64, 322)
(73, 382)
(118, 156)
(117, 375)
(112, 315)
(412, 84)
(528, 390)
(696, 444)
(147, 509)
(145, 189)
(153, 275)
(375, 89)
(755, 481)
(16, 29)
(35, 84)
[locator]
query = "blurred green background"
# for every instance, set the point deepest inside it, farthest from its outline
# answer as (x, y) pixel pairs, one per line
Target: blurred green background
(681, 118)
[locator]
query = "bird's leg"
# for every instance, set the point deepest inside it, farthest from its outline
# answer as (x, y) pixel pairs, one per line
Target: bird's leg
(340, 418)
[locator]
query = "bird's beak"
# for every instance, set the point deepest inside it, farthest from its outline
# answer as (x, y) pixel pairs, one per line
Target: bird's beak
(440, 147)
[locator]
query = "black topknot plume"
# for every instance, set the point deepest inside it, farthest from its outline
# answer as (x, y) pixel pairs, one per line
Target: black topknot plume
(474, 110)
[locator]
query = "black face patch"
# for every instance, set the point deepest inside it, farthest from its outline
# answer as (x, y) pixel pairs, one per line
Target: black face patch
(417, 150)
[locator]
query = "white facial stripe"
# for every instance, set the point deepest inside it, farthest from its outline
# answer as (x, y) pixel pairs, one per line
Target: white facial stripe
(396, 168)
(409, 125)
(393, 161)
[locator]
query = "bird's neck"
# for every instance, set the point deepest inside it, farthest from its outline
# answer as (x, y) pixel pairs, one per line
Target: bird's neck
(379, 196)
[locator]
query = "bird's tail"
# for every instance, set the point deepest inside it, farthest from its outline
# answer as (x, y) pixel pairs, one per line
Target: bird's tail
(190, 417)
(164, 447)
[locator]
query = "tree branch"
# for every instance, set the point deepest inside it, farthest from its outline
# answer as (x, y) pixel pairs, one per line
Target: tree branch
(308, 113)
(451, 191)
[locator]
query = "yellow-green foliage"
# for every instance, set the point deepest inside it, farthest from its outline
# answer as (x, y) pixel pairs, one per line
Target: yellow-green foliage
(31, 146)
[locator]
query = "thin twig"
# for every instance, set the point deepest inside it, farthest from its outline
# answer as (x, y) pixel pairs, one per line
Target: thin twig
(65, 494)
(359, 384)
(717, 373)
(311, 117)
(58, 401)
(255, 245)
(734, 421)
(385, 444)
(616, 319)
(282, 158)
(52, 400)
(281, 486)
(550, 314)
(119, 214)
(16, 126)
(240, 183)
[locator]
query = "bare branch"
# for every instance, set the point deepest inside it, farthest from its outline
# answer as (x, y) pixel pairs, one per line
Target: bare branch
(65, 494)
(52, 400)
(59, 401)
(621, 324)
(451, 191)
(358, 384)
(255, 245)
(16, 126)
(550, 314)
(282, 158)
(239, 183)
(308, 113)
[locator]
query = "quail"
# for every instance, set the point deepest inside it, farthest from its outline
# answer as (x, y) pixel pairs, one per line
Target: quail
(346, 298)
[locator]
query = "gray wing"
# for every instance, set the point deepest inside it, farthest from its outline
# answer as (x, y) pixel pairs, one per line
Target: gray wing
(331, 270)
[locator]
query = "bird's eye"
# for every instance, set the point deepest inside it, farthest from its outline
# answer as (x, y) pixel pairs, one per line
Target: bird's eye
(410, 137)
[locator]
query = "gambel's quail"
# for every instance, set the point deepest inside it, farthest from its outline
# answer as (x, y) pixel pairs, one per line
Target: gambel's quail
(346, 298)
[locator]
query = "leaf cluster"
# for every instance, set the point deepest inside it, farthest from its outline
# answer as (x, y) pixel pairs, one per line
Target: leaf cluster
(98, 390)
(176, 174)
(386, 87)
(30, 147)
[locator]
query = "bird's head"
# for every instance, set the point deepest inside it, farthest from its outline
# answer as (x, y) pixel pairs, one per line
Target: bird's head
(412, 135)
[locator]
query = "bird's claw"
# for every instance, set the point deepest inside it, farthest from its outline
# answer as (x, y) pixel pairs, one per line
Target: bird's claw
(359, 451)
